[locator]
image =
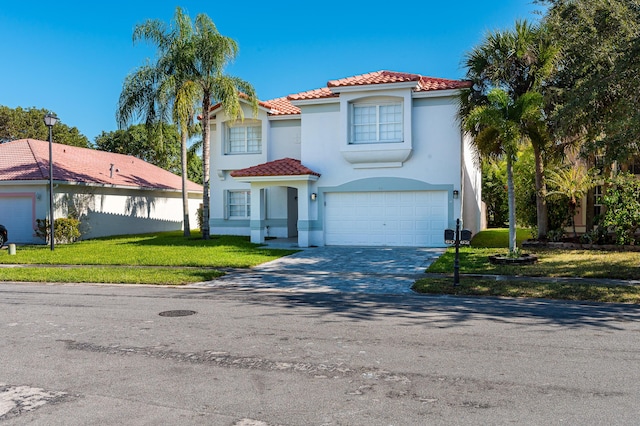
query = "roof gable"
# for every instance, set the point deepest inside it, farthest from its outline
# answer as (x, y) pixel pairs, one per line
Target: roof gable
(28, 159)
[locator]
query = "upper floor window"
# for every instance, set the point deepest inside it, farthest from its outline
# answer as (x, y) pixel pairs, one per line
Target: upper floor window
(244, 139)
(377, 123)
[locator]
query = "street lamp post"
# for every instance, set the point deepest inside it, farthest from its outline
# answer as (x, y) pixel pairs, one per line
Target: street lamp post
(50, 120)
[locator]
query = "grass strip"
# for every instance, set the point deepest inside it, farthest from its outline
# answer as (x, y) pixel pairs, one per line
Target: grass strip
(530, 289)
(551, 263)
(114, 275)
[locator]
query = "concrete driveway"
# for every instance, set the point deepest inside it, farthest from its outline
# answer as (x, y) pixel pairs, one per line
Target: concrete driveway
(373, 270)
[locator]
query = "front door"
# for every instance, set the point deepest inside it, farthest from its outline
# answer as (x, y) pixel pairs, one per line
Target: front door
(292, 212)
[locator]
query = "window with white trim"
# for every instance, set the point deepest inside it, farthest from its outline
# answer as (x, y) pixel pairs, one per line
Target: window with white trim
(376, 123)
(244, 139)
(238, 204)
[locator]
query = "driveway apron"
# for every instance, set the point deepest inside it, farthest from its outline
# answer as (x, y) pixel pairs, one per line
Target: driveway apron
(372, 270)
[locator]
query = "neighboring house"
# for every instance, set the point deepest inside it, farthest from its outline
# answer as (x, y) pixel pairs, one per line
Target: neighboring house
(377, 159)
(113, 194)
(590, 207)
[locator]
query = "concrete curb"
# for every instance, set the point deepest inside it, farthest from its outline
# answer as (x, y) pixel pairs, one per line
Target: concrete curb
(593, 281)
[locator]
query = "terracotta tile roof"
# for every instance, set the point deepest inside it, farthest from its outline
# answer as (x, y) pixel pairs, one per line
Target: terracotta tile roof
(324, 92)
(28, 159)
(243, 96)
(378, 77)
(283, 167)
(423, 84)
(283, 106)
(432, 83)
(386, 77)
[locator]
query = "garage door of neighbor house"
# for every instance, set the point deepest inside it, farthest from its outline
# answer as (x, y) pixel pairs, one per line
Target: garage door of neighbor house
(16, 214)
(409, 219)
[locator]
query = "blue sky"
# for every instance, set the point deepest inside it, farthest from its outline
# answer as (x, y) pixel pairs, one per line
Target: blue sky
(71, 57)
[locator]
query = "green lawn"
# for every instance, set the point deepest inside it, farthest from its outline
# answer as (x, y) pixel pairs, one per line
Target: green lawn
(530, 289)
(551, 263)
(190, 259)
(498, 237)
(109, 274)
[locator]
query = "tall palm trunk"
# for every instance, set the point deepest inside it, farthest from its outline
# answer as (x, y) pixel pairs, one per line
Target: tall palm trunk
(541, 194)
(185, 194)
(511, 199)
(206, 103)
(573, 206)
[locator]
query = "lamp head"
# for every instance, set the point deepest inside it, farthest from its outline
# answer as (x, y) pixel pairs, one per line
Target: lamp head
(50, 120)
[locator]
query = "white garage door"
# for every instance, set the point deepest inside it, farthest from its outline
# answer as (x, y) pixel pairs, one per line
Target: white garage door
(16, 214)
(409, 219)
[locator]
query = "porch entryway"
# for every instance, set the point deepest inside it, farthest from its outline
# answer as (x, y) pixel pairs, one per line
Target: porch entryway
(289, 173)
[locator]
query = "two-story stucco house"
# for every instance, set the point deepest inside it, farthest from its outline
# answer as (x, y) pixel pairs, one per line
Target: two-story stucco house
(376, 160)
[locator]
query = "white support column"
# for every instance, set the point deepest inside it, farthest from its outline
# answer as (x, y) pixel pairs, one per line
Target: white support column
(304, 198)
(258, 214)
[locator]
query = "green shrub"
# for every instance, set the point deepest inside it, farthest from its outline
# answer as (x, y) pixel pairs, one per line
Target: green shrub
(199, 217)
(597, 235)
(494, 192)
(65, 230)
(555, 235)
(622, 202)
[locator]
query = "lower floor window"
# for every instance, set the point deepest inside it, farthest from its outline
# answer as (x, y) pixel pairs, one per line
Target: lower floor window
(239, 204)
(597, 200)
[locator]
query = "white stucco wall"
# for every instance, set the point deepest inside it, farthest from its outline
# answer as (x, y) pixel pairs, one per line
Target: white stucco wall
(437, 141)
(472, 188)
(121, 211)
(435, 157)
(320, 132)
(284, 139)
(280, 139)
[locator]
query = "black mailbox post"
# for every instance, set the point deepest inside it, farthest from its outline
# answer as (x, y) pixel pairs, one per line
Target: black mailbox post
(457, 237)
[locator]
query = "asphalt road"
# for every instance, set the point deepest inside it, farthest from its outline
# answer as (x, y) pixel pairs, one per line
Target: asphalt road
(79, 354)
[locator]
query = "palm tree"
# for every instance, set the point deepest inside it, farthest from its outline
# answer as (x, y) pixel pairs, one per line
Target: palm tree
(151, 91)
(496, 127)
(190, 65)
(573, 182)
(199, 64)
(184, 113)
(517, 61)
